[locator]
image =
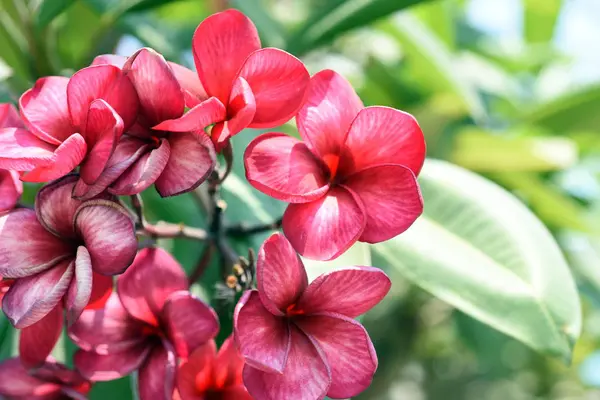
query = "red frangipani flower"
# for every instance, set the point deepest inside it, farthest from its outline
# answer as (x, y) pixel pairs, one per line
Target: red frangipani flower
(70, 121)
(11, 187)
(208, 375)
(174, 156)
(257, 88)
(152, 321)
(60, 255)
(354, 176)
(52, 381)
(300, 341)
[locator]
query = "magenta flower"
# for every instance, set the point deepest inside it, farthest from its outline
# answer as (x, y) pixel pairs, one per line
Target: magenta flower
(52, 381)
(354, 176)
(58, 255)
(11, 187)
(257, 88)
(211, 375)
(152, 321)
(70, 121)
(9, 117)
(300, 341)
(175, 157)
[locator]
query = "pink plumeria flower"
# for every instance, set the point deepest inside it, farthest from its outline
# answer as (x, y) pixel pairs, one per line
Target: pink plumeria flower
(211, 375)
(257, 88)
(174, 156)
(70, 122)
(60, 255)
(11, 187)
(352, 178)
(152, 321)
(51, 380)
(300, 341)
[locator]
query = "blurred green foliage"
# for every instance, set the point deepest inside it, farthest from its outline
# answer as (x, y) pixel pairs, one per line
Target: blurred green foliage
(482, 105)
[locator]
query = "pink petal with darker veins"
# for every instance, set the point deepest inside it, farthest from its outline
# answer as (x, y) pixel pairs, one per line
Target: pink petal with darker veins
(96, 367)
(240, 110)
(110, 59)
(55, 209)
(280, 274)
(45, 111)
(331, 106)
(189, 322)
(37, 341)
(20, 150)
(11, 189)
(159, 92)
(201, 116)
(80, 289)
(284, 168)
(190, 83)
(31, 298)
(221, 44)
(349, 291)
(382, 135)
(144, 172)
(156, 379)
(67, 157)
(9, 117)
(108, 233)
(103, 131)
(26, 248)
(16, 382)
(263, 338)
(348, 349)
(108, 330)
(102, 288)
(306, 375)
(327, 227)
(392, 200)
(148, 282)
(192, 160)
(106, 82)
(278, 81)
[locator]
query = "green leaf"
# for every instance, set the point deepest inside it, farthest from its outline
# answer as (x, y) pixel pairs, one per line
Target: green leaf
(272, 33)
(481, 250)
(357, 255)
(483, 151)
(540, 19)
(335, 17)
(50, 9)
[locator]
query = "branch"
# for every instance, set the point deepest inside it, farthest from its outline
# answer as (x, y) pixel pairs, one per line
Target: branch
(243, 229)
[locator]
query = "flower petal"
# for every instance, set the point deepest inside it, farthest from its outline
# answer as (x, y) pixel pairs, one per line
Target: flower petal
(55, 209)
(241, 110)
(195, 375)
(382, 135)
(67, 157)
(96, 367)
(348, 349)
(144, 172)
(9, 117)
(145, 286)
(80, 289)
(108, 232)
(324, 119)
(306, 374)
(192, 160)
(45, 111)
(103, 131)
(263, 338)
(238, 392)
(280, 274)
(159, 92)
(102, 288)
(190, 83)
(37, 341)
(20, 150)
(392, 200)
(279, 82)
(110, 59)
(156, 378)
(189, 322)
(127, 152)
(284, 168)
(202, 115)
(351, 291)
(26, 248)
(15, 381)
(229, 365)
(11, 190)
(221, 43)
(31, 298)
(106, 82)
(327, 227)
(108, 330)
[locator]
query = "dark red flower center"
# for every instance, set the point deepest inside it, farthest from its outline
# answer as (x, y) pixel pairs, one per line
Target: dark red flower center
(294, 310)
(332, 161)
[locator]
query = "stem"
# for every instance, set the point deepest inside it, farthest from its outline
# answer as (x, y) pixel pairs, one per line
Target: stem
(203, 263)
(243, 229)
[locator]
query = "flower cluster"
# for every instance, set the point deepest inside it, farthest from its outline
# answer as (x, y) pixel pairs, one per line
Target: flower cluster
(124, 124)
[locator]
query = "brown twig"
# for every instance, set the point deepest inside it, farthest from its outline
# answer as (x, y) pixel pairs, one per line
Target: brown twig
(243, 229)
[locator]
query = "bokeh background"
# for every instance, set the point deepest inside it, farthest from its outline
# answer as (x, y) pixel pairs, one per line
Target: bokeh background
(509, 89)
